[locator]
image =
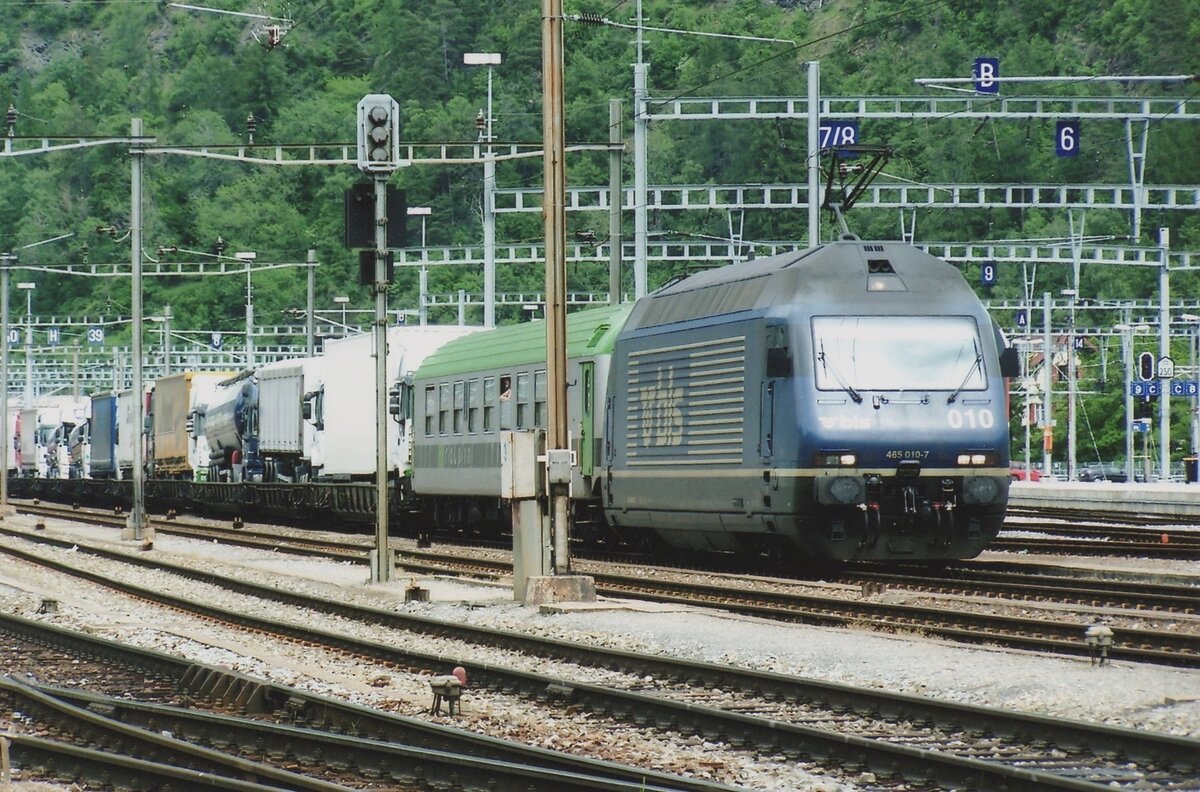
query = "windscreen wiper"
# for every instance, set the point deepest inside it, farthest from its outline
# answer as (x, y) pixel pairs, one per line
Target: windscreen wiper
(837, 375)
(976, 365)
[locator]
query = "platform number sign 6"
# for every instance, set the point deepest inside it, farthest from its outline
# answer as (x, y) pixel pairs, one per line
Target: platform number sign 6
(987, 273)
(95, 334)
(1066, 138)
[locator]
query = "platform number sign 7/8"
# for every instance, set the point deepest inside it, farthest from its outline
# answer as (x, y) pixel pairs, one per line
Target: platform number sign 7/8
(1066, 138)
(839, 133)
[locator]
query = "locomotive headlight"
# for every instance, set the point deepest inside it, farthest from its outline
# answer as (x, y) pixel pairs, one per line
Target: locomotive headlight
(845, 489)
(976, 460)
(835, 459)
(980, 489)
(840, 490)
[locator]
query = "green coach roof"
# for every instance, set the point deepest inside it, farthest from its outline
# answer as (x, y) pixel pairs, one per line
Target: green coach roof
(589, 332)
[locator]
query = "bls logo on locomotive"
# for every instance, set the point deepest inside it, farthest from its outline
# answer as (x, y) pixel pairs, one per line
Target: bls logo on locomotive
(659, 410)
(845, 422)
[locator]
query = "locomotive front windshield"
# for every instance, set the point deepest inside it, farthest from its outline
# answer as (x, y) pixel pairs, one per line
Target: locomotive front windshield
(888, 353)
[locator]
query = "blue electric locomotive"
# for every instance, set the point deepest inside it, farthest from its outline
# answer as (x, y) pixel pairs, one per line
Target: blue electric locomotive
(843, 402)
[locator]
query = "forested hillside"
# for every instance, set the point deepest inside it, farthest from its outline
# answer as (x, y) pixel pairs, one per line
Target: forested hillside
(72, 67)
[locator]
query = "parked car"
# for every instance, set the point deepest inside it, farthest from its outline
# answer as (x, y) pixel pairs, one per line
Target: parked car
(1103, 472)
(1019, 473)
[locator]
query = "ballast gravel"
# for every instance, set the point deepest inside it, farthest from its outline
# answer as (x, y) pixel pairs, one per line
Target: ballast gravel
(1130, 695)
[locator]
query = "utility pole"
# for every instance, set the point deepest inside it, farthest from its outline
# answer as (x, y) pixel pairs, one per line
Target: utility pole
(5, 436)
(641, 192)
(310, 324)
(166, 340)
(28, 287)
(1164, 350)
(555, 214)
(136, 525)
(383, 566)
(1048, 389)
(491, 60)
(814, 159)
(615, 193)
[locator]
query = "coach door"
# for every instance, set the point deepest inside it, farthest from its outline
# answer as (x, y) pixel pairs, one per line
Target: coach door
(587, 433)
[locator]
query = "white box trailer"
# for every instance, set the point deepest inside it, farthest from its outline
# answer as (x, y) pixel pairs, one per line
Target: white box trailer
(288, 390)
(344, 445)
(31, 455)
(11, 445)
(72, 415)
(129, 431)
(36, 428)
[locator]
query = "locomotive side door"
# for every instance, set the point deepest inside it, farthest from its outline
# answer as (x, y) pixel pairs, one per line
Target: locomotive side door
(777, 367)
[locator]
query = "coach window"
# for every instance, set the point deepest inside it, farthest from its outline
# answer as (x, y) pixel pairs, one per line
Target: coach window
(430, 409)
(489, 404)
(539, 399)
(473, 406)
(507, 400)
(443, 408)
(524, 402)
(459, 406)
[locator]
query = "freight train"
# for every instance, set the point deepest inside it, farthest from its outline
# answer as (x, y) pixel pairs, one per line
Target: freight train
(845, 402)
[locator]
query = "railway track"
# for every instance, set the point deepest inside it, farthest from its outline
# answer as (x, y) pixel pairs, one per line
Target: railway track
(837, 608)
(1100, 516)
(1184, 551)
(921, 743)
(1020, 582)
(173, 723)
(1086, 536)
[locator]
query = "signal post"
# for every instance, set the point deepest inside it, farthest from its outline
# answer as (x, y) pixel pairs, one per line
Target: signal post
(379, 157)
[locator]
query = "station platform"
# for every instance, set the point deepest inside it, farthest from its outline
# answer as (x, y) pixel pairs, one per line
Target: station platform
(1158, 500)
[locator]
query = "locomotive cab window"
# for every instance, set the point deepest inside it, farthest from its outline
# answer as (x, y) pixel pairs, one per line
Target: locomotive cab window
(876, 353)
(779, 354)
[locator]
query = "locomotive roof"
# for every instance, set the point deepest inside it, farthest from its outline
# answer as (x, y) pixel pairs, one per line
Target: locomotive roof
(589, 332)
(842, 273)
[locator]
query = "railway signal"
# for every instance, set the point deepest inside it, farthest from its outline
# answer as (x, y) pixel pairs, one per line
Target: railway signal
(378, 134)
(1146, 366)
